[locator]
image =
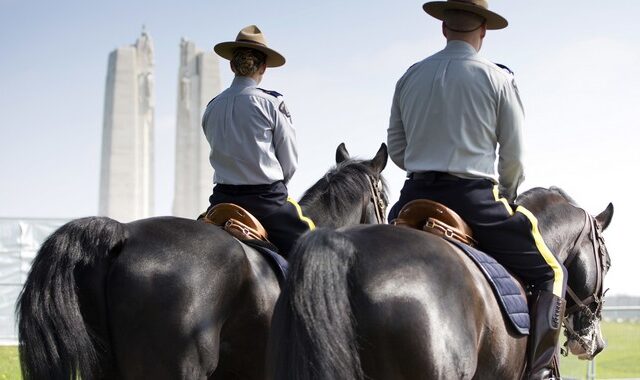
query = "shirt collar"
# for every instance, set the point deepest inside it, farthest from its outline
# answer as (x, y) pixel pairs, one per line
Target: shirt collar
(239, 81)
(460, 46)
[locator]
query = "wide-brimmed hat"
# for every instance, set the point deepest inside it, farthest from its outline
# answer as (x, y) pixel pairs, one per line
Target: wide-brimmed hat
(250, 37)
(478, 7)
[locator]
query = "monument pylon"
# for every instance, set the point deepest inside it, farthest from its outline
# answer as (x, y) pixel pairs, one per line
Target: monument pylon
(126, 175)
(198, 83)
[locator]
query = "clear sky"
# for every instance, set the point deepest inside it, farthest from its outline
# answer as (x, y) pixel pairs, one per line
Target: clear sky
(577, 64)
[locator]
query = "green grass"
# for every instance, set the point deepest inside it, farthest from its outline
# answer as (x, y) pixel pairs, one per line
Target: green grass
(621, 358)
(9, 364)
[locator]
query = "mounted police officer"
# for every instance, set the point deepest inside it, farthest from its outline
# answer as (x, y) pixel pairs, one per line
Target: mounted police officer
(253, 142)
(450, 113)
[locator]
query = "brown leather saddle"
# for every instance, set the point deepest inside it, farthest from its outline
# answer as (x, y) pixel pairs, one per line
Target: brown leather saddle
(236, 221)
(434, 217)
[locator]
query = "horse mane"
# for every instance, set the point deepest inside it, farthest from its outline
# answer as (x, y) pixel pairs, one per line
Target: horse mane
(566, 196)
(553, 193)
(343, 184)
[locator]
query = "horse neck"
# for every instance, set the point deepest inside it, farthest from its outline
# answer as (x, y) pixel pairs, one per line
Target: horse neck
(324, 215)
(560, 224)
(337, 199)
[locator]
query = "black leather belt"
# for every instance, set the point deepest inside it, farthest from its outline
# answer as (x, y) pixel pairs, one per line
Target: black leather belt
(433, 176)
(277, 186)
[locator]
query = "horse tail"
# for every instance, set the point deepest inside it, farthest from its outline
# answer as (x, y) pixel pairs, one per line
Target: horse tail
(63, 292)
(313, 334)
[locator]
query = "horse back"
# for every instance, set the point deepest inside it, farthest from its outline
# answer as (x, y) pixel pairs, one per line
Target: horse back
(183, 289)
(419, 301)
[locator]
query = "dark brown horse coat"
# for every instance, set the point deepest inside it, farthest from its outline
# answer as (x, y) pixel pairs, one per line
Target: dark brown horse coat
(166, 298)
(387, 302)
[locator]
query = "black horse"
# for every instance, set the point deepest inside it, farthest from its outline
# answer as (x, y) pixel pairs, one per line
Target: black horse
(168, 298)
(388, 302)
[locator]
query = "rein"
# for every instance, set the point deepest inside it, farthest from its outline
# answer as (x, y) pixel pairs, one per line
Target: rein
(593, 230)
(375, 186)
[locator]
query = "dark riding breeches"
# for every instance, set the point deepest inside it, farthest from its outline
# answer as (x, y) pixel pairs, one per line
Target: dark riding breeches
(280, 215)
(511, 237)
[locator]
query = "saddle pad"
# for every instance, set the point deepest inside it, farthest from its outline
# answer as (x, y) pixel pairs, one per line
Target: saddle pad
(505, 287)
(278, 263)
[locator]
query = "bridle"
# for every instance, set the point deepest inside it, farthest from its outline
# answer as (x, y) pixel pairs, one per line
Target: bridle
(379, 205)
(593, 230)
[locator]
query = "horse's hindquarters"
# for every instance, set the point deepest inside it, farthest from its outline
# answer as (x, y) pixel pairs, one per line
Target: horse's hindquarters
(175, 294)
(421, 307)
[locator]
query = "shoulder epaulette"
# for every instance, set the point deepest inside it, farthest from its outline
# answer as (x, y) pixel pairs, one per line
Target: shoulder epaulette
(270, 92)
(505, 68)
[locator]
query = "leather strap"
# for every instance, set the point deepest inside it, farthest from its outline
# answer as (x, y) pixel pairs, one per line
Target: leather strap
(433, 175)
(241, 231)
(437, 227)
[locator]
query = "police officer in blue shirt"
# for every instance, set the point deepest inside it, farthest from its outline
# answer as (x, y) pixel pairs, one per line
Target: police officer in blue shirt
(253, 142)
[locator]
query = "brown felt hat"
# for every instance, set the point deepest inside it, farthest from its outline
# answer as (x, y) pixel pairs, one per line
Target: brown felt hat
(250, 37)
(478, 7)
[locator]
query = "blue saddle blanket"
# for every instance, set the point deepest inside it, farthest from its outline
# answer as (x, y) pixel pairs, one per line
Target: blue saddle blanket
(278, 264)
(505, 287)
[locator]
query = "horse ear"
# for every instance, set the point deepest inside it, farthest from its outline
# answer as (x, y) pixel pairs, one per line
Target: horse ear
(379, 162)
(341, 153)
(604, 218)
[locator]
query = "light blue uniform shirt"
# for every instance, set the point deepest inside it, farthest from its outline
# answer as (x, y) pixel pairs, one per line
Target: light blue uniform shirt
(251, 135)
(450, 112)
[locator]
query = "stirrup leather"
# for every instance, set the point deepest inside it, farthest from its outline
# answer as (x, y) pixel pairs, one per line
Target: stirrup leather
(436, 218)
(237, 221)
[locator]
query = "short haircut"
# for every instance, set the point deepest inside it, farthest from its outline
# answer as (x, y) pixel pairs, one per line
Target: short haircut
(462, 21)
(247, 62)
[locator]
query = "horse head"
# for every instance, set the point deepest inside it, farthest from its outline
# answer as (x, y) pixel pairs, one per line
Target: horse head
(575, 236)
(352, 192)
(589, 262)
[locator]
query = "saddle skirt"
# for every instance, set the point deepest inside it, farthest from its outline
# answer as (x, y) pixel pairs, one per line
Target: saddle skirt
(436, 218)
(506, 288)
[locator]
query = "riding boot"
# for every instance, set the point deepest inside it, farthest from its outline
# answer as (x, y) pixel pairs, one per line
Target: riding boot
(546, 318)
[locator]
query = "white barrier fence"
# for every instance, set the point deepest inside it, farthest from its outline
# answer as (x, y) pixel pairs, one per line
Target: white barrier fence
(20, 239)
(621, 357)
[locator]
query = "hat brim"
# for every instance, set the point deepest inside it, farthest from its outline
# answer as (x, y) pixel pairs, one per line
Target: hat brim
(225, 50)
(437, 9)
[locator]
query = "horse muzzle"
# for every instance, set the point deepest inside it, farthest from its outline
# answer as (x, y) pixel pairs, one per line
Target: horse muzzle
(588, 347)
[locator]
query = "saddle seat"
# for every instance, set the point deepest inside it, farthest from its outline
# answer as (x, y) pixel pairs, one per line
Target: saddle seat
(236, 221)
(436, 218)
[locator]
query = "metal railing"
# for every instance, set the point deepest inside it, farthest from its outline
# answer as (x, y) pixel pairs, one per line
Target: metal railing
(612, 314)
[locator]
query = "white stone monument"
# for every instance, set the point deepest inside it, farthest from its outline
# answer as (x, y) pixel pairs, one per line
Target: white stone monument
(126, 175)
(198, 83)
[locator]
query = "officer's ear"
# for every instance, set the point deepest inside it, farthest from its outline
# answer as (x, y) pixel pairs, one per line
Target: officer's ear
(262, 69)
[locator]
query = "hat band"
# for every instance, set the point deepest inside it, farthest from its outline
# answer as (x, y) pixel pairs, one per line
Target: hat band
(465, 31)
(251, 41)
(470, 2)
